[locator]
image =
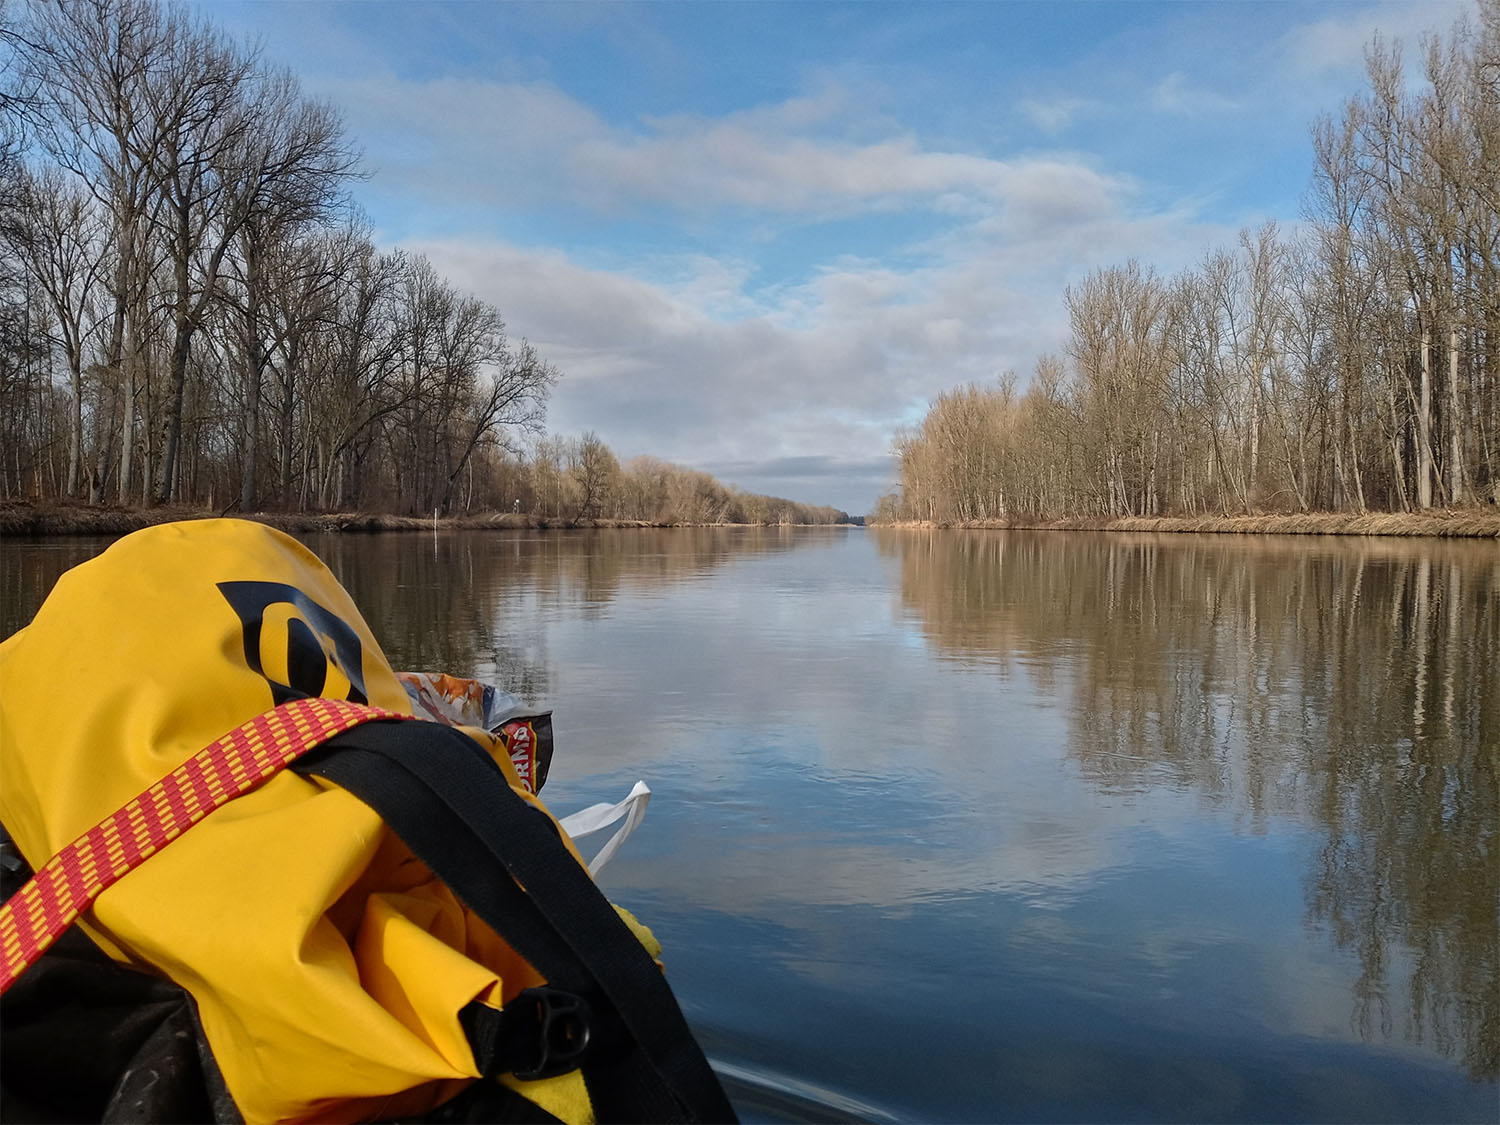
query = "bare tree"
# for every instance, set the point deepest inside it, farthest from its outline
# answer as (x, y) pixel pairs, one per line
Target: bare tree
(61, 237)
(190, 208)
(204, 169)
(89, 64)
(510, 390)
(595, 470)
(293, 164)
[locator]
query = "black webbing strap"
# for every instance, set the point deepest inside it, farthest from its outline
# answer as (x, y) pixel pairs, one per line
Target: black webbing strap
(451, 805)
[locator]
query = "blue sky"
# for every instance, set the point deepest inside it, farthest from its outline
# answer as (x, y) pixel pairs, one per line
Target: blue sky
(758, 238)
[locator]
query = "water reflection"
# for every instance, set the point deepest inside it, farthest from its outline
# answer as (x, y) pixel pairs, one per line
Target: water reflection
(30, 567)
(439, 600)
(1016, 827)
(481, 602)
(1350, 682)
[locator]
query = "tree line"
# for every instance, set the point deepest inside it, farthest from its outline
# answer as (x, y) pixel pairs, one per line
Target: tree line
(192, 308)
(579, 478)
(1349, 365)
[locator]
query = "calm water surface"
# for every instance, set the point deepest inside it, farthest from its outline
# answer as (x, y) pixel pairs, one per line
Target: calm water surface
(1007, 826)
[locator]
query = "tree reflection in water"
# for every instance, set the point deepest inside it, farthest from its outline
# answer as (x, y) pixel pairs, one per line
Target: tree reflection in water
(1351, 682)
(437, 602)
(478, 603)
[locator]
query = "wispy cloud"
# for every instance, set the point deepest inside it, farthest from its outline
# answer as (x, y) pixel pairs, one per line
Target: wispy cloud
(1337, 43)
(1178, 94)
(1054, 115)
(530, 142)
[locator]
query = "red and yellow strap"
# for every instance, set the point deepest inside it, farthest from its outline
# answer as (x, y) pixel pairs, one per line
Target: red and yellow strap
(68, 883)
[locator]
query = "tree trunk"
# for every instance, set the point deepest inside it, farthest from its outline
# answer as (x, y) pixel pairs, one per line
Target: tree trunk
(122, 359)
(1252, 474)
(1455, 424)
(255, 361)
(1359, 480)
(181, 342)
(287, 416)
(1424, 423)
(75, 420)
(181, 338)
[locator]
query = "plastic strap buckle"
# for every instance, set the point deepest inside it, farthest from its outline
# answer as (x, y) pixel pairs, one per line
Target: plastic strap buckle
(563, 1025)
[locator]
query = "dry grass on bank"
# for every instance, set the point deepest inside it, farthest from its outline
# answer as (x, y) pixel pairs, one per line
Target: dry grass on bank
(1465, 523)
(24, 517)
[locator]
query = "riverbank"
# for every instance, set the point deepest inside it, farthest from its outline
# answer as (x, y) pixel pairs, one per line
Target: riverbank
(1462, 523)
(25, 517)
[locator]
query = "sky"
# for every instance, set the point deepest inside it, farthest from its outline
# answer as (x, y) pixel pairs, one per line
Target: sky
(759, 238)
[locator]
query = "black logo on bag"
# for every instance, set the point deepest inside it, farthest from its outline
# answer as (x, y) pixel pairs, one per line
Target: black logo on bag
(321, 654)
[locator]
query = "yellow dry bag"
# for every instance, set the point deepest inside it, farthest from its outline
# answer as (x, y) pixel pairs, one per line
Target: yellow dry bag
(390, 921)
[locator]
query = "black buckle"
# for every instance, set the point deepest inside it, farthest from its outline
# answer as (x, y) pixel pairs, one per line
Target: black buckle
(564, 1025)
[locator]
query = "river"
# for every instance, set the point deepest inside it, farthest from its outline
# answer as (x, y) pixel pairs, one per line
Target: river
(1013, 826)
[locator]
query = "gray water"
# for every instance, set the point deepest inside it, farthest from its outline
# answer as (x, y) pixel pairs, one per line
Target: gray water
(1007, 826)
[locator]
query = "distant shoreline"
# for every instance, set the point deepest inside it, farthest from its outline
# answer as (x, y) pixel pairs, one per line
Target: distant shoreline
(27, 517)
(1447, 523)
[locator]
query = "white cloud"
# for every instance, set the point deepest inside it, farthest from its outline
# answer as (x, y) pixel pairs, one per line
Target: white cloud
(691, 355)
(1053, 115)
(1177, 94)
(702, 369)
(529, 144)
(653, 372)
(1337, 44)
(829, 104)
